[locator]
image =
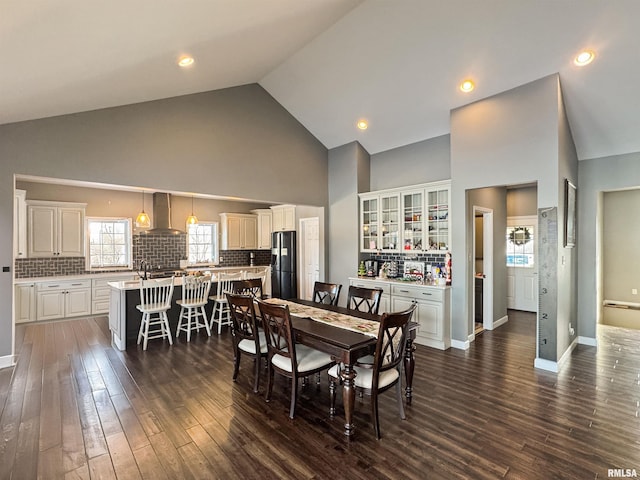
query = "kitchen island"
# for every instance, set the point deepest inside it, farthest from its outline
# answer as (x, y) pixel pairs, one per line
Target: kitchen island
(124, 318)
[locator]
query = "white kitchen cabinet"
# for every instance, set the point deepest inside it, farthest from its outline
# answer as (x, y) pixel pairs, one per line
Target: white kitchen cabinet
(20, 225)
(25, 302)
(63, 299)
(55, 229)
(380, 222)
(408, 219)
(284, 217)
(101, 292)
(431, 314)
(239, 231)
(265, 218)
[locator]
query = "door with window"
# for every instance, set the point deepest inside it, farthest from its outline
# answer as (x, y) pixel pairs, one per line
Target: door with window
(522, 268)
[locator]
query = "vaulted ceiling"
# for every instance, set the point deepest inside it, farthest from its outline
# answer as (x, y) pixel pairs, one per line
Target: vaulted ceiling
(396, 63)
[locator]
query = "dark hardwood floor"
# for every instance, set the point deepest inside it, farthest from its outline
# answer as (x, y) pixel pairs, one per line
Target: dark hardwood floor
(75, 408)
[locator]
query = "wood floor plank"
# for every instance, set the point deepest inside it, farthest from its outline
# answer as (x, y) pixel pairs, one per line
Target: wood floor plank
(173, 412)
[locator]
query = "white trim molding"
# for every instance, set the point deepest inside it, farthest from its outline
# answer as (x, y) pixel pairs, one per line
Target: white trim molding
(552, 366)
(500, 322)
(7, 361)
(459, 344)
(592, 342)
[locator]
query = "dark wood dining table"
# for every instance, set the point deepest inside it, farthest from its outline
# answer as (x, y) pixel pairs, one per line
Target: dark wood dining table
(347, 346)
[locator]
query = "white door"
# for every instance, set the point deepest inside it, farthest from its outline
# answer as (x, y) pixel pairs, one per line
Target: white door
(522, 267)
(311, 252)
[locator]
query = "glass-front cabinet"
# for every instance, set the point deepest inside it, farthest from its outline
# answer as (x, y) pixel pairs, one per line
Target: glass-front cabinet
(408, 219)
(379, 222)
(438, 221)
(412, 220)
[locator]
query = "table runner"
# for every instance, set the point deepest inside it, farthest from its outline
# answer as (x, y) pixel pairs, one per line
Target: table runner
(355, 324)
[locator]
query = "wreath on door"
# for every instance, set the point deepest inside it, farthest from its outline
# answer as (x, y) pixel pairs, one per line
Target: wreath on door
(520, 235)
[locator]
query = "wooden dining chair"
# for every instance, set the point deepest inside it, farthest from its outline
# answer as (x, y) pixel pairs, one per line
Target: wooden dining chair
(326, 293)
(385, 371)
(247, 337)
(251, 286)
(284, 356)
(364, 299)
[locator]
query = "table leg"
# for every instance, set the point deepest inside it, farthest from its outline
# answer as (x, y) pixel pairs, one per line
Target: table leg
(348, 397)
(409, 365)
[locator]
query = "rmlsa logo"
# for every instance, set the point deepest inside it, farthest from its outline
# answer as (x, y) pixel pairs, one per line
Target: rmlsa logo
(622, 473)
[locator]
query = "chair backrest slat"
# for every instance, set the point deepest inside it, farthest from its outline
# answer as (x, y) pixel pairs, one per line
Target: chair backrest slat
(276, 322)
(326, 293)
(156, 293)
(195, 289)
(252, 287)
(244, 324)
(364, 299)
(225, 282)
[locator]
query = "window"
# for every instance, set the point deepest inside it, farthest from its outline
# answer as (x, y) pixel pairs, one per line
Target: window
(109, 243)
(202, 243)
(520, 242)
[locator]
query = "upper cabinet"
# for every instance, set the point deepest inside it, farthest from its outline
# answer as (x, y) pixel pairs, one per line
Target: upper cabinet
(284, 217)
(55, 229)
(408, 219)
(239, 231)
(265, 228)
(20, 225)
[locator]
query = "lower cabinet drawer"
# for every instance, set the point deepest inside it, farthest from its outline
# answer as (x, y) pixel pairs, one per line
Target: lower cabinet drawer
(418, 293)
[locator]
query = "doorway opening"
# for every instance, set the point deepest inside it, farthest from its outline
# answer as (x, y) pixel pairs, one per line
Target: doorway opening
(483, 269)
(310, 253)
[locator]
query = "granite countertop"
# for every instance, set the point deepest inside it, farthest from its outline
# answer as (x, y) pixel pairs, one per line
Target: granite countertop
(400, 281)
(123, 273)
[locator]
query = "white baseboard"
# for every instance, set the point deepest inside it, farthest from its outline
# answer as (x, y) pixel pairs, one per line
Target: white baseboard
(548, 365)
(7, 361)
(459, 344)
(500, 321)
(552, 366)
(593, 342)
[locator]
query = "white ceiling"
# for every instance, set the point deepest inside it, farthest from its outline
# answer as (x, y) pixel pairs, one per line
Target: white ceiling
(329, 62)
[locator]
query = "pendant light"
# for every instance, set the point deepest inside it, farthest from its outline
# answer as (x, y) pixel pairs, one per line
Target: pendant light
(142, 220)
(192, 219)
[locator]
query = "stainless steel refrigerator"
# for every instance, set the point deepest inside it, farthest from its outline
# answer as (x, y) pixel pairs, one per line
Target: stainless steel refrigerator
(284, 282)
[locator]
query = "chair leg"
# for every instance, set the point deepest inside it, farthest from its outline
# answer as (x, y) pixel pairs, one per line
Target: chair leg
(146, 330)
(399, 398)
(206, 322)
(141, 328)
(294, 396)
(179, 322)
(374, 414)
(189, 320)
(269, 382)
(256, 381)
(236, 363)
(165, 320)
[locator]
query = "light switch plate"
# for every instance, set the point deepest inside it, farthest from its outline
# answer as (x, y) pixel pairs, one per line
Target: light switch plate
(634, 291)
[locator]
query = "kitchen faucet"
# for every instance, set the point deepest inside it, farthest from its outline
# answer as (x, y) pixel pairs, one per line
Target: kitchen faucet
(144, 266)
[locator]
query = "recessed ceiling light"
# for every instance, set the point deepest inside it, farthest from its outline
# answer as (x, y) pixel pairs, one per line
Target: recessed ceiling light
(362, 124)
(185, 61)
(467, 86)
(584, 58)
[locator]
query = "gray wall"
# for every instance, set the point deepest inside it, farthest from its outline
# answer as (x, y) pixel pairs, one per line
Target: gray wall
(349, 173)
(522, 201)
(421, 162)
(117, 203)
(621, 258)
(235, 142)
(507, 139)
(595, 177)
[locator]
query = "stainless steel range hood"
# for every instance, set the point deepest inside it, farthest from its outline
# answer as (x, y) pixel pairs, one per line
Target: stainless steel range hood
(161, 216)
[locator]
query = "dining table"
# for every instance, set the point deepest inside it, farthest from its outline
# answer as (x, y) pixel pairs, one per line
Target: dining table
(346, 335)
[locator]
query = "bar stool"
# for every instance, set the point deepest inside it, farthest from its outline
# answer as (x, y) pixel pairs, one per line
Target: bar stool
(155, 300)
(195, 295)
(221, 314)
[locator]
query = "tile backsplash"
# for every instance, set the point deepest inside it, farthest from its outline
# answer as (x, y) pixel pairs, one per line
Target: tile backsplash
(159, 250)
(400, 258)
